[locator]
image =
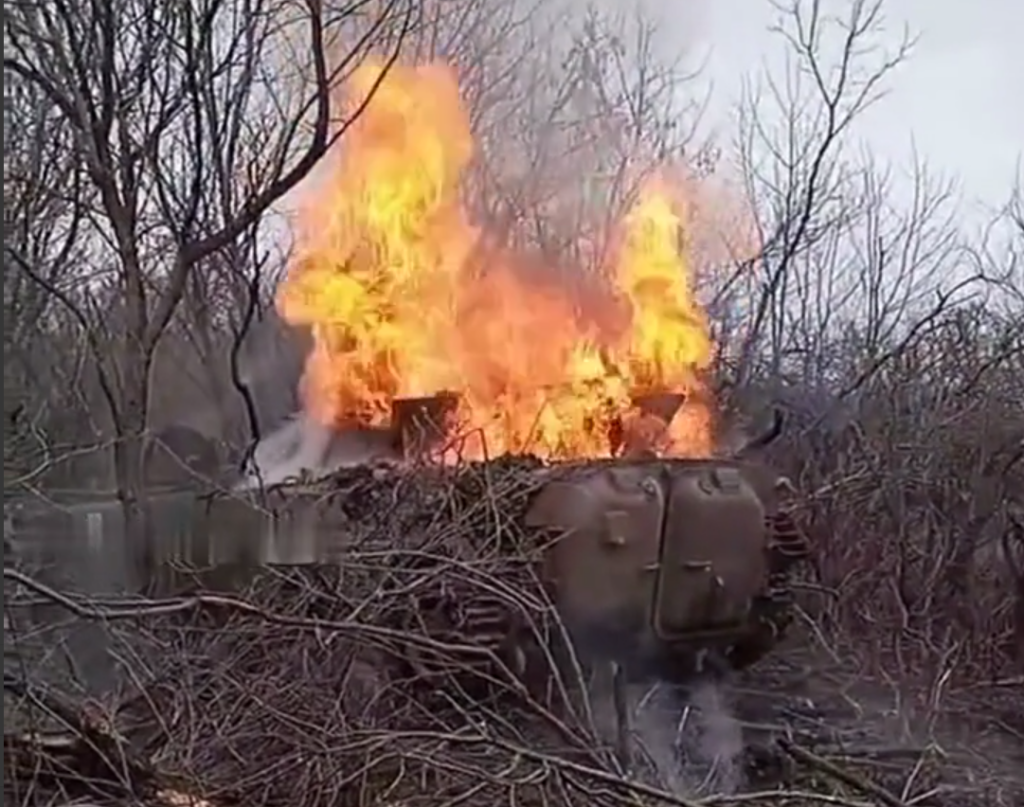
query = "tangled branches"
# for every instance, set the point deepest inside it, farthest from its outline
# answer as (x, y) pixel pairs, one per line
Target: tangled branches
(425, 666)
(376, 679)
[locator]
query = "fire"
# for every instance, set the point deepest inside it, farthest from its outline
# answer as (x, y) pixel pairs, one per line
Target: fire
(669, 344)
(405, 299)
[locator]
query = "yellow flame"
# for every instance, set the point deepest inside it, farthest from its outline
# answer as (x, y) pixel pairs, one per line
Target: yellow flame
(403, 298)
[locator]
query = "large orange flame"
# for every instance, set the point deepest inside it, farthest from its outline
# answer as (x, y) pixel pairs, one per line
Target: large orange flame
(403, 298)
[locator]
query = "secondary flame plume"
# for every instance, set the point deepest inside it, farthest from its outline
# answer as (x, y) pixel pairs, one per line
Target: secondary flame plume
(403, 299)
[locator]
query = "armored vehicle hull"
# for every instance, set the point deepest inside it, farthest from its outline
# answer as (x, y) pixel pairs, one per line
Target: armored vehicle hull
(666, 565)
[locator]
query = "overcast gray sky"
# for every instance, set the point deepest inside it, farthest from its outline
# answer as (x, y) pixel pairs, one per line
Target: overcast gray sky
(959, 99)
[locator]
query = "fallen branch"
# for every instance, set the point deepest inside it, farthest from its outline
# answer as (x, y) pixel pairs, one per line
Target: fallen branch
(835, 772)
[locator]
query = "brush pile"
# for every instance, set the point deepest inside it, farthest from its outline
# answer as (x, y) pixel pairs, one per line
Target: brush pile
(350, 684)
(333, 685)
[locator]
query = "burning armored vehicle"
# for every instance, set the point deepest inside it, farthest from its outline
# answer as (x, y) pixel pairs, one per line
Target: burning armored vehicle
(663, 565)
(652, 549)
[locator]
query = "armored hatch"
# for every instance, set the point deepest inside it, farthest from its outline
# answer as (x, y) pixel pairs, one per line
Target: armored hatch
(664, 557)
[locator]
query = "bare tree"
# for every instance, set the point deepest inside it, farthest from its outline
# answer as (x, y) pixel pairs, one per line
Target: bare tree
(793, 137)
(894, 338)
(189, 121)
(1015, 252)
(593, 105)
(41, 223)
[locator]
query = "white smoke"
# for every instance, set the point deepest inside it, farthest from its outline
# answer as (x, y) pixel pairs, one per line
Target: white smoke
(712, 742)
(656, 723)
(302, 447)
(689, 746)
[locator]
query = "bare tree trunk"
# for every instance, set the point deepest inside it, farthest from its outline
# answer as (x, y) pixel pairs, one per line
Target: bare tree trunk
(129, 465)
